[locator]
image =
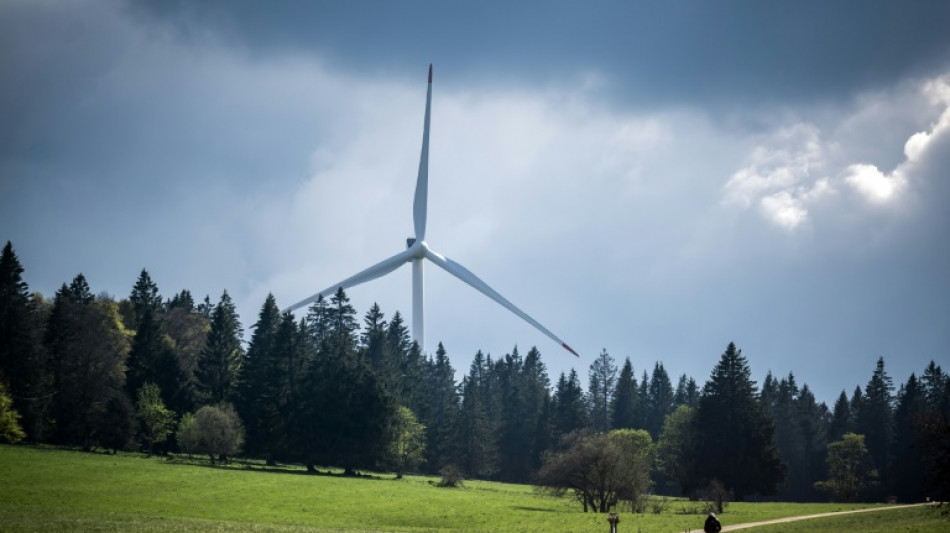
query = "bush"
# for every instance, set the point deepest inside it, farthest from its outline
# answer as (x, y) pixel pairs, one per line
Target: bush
(451, 476)
(213, 430)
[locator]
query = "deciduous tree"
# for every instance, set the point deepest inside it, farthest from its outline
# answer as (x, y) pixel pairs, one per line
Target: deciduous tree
(156, 420)
(850, 470)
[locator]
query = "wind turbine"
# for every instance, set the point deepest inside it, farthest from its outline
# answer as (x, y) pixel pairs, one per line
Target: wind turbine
(417, 251)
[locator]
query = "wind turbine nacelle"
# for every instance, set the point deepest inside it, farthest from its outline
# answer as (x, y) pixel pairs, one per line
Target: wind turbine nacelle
(410, 241)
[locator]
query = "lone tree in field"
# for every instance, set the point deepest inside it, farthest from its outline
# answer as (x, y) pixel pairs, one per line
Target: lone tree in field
(601, 470)
(850, 470)
(734, 434)
(214, 430)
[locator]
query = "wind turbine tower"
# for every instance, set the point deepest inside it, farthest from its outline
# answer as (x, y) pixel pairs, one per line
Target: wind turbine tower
(417, 250)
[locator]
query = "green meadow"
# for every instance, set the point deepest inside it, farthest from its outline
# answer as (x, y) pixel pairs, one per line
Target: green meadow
(48, 489)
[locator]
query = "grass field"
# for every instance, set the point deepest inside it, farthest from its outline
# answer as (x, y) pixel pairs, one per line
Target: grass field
(44, 489)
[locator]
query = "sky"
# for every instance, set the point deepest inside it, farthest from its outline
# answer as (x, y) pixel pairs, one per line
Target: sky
(654, 179)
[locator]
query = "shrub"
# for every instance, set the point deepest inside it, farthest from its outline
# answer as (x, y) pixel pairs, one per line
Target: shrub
(451, 476)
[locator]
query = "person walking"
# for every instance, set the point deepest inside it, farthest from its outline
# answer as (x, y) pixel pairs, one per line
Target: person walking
(712, 524)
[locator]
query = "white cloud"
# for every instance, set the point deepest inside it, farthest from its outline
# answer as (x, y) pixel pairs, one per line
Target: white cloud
(781, 176)
(878, 187)
(794, 167)
(873, 184)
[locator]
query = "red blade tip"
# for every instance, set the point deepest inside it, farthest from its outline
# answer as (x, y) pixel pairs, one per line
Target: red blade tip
(430, 72)
(568, 348)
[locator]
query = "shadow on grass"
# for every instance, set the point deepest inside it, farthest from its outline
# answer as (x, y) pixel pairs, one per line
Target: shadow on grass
(244, 465)
(532, 509)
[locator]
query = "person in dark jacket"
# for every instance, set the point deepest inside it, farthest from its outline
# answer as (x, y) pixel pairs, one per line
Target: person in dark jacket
(712, 524)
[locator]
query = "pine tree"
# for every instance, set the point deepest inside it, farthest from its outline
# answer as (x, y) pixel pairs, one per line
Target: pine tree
(814, 420)
(343, 327)
(933, 385)
(875, 419)
(153, 359)
(659, 401)
(625, 401)
(570, 406)
(443, 409)
(908, 468)
(840, 418)
(734, 434)
(345, 414)
(255, 406)
(602, 380)
(183, 300)
(23, 361)
(79, 291)
(477, 429)
(219, 364)
(687, 392)
(788, 437)
(144, 296)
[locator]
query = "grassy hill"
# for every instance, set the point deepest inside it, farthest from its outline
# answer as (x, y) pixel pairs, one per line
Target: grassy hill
(46, 489)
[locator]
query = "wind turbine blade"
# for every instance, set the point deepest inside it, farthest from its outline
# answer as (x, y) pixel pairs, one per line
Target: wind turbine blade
(467, 276)
(419, 204)
(379, 269)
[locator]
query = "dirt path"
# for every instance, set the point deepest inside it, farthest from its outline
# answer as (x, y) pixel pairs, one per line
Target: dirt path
(820, 515)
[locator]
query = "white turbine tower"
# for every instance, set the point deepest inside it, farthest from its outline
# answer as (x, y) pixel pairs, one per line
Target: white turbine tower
(417, 251)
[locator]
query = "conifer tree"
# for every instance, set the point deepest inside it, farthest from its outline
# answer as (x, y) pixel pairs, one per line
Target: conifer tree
(814, 419)
(908, 468)
(840, 418)
(734, 433)
(477, 428)
(219, 364)
(687, 392)
(144, 296)
(443, 409)
(255, 406)
(625, 402)
(88, 345)
(602, 380)
(23, 361)
(569, 406)
(875, 419)
(659, 401)
(345, 416)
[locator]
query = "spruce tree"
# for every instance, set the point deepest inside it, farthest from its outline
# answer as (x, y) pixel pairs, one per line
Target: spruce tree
(814, 420)
(875, 419)
(443, 409)
(345, 414)
(908, 467)
(687, 392)
(23, 361)
(570, 406)
(477, 428)
(255, 406)
(602, 380)
(144, 296)
(219, 364)
(625, 402)
(734, 433)
(659, 401)
(840, 418)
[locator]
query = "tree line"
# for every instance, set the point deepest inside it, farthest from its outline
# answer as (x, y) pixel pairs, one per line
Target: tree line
(145, 372)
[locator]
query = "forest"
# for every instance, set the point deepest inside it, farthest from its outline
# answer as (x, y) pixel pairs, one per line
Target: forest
(170, 375)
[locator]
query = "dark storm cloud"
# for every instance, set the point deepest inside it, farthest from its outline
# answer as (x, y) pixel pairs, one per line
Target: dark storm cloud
(735, 52)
